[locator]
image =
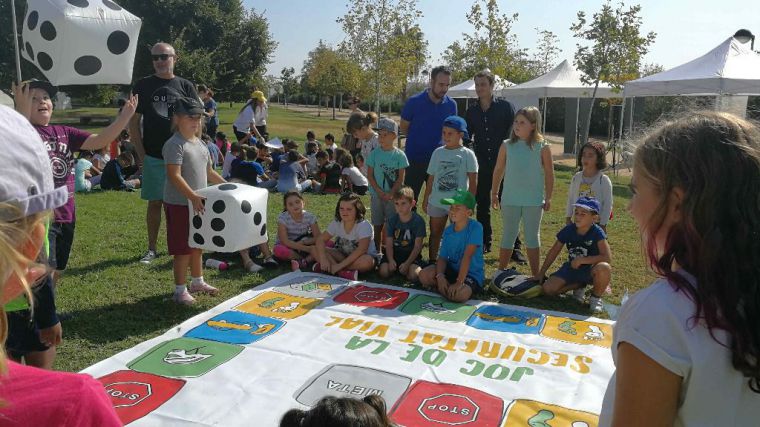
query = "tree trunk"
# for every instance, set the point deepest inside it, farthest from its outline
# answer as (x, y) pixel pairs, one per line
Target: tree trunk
(333, 107)
(319, 106)
(587, 121)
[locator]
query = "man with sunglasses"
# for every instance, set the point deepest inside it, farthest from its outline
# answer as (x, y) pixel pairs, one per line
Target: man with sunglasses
(159, 91)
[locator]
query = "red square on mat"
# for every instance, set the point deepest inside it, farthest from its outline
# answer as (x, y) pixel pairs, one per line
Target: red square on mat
(372, 296)
(136, 394)
(435, 404)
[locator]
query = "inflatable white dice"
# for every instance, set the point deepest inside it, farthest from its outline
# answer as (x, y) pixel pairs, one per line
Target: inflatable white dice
(235, 218)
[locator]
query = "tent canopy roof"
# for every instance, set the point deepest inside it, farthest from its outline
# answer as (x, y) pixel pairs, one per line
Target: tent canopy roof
(564, 81)
(731, 68)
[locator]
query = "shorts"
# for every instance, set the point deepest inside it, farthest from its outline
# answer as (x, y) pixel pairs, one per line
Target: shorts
(570, 275)
(436, 211)
(451, 276)
(177, 229)
(360, 189)
(381, 210)
(400, 257)
(153, 178)
(23, 334)
(61, 237)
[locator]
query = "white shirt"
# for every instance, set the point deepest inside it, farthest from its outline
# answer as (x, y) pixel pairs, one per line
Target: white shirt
(657, 321)
(244, 118)
(598, 186)
(227, 164)
(260, 115)
(355, 175)
(347, 242)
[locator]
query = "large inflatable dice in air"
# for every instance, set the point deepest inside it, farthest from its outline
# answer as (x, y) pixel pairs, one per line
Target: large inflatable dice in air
(234, 218)
(80, 41)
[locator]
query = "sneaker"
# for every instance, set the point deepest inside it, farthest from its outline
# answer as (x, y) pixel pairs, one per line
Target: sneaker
(579, 295)
(252, 267)
(487, 248)
(271, 263)
(596, 304)
(348, 274)
(518, 257)
(148, 257)
(183, 298)
(203, 288)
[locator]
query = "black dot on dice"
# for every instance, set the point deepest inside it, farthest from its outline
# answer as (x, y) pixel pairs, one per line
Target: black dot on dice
(245, 206)
(29, 50)
(79, 3)
(218, 206)
(47, 31)
(263, 229)
(227, 187)
(32, 19)
(218, 241)
(111, 5)
(198, 239)
(197, 222)
(45, 61)
(118, 42)
(257, 218)
(217, 224)
(87, 65)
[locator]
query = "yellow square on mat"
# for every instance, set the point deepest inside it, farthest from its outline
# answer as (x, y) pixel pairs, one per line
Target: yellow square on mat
(577, 331)
(539, 414)
(281, 306)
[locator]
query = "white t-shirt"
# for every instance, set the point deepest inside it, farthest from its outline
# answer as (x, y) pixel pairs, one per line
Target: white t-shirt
(356, 177)
(658, 321)
(260, 115)
(227, 165)
(347, 242)
(243, 120)
(367, 145)
(598, 186)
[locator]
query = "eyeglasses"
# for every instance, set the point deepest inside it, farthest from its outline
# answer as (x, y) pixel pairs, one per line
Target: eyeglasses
(162, 57)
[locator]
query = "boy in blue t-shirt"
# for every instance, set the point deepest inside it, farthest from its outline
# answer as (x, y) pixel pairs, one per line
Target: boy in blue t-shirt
(589, 256)
(459, 271)
(404, 235)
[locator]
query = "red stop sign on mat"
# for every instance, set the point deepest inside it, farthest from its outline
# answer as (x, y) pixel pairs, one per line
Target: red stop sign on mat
(451, 409)
(136, 394)
(128, 393)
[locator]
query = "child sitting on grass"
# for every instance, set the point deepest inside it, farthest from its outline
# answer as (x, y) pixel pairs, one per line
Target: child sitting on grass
(404, 235)
(459, 272)
(589, 257)
(329, 174)
(113, 177)
(353, 179)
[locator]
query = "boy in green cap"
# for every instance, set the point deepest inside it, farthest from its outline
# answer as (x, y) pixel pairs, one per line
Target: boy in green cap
(459, 271)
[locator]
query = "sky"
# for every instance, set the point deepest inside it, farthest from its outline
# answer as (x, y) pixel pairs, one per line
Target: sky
(685, 29)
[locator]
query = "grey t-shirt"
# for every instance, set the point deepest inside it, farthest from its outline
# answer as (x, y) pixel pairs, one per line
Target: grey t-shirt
(194, 160)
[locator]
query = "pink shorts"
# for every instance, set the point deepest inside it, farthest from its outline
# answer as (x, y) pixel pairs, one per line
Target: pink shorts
(177, 229)
(283, 252)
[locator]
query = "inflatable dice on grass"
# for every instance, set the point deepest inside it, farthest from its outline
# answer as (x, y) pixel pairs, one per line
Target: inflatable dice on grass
(235, 218)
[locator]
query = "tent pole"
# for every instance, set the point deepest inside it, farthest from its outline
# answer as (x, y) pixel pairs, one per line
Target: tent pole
(15, 42)
(577, 112)
(620, 137)
(630, 121)
(543, 125)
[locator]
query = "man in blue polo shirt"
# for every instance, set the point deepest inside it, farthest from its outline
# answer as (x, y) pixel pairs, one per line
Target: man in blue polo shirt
(422, 122)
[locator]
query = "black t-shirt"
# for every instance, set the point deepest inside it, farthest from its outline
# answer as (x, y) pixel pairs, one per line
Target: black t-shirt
(155, 97)
(112, 177)
(332, 172)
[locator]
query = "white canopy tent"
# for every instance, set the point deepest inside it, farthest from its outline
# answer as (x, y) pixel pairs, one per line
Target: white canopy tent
(466, 89)
(563, 81)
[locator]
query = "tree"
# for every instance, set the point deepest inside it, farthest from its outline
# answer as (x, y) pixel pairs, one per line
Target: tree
(371, 26)
(492, 45)
(547, 52)
(329, 72)
(616, 49)
(289, 83)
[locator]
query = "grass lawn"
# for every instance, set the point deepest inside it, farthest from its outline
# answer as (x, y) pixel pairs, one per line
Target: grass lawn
(118, 302)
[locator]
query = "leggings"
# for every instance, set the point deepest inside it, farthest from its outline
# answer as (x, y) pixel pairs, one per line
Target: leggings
(531, 216)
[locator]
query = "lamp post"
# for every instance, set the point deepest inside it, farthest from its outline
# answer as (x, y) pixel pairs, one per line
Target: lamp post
(744, 36)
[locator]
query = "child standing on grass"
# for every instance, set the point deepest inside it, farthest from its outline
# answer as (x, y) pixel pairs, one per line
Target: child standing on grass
(404, 236)
(386, 168)
(297, 232)
(525, 164)
(353, 179)
(188, 168)
(359, 126)
(451, 167)
(589, 257)
(591, 182)
(687, 348)
(354, 250)
(459, 272)
(27, 197)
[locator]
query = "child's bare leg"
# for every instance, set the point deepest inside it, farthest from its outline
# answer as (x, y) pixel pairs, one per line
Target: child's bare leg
(384, 270)
(505, 255)
(414, 272)
(458, 293)
(533, 260)
(41, 359)
(362, 264)
(378, 236)
(196, 263)
(180, 264)
(555, 285)
(264, 247)
(436, 231)
(601, 274)
(427, 277)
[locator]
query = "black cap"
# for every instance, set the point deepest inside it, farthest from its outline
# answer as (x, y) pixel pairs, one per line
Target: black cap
(188, 106)
(46, 86)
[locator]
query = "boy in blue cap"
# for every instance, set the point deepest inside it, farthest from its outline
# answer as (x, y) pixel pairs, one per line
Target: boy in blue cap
(459, 271)
(589, 256)
(451, 167)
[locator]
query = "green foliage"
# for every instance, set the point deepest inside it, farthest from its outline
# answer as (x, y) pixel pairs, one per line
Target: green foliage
(547, 52)
(329, 72)
(615, 51)
(383, 37)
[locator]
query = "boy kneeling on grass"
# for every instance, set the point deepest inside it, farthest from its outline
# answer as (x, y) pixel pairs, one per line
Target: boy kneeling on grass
(459, 271)
(589, 257)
